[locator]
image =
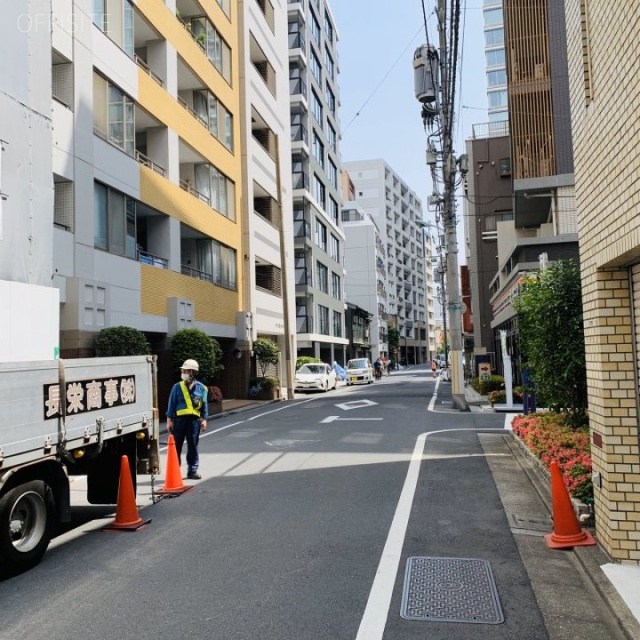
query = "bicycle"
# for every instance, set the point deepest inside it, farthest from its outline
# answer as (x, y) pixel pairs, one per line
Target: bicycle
(377, 373)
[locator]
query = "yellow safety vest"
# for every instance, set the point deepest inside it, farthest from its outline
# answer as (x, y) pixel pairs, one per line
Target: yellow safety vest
(189, 410)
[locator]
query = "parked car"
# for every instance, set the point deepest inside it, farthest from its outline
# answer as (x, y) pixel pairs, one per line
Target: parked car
(315, 377)
(359, 370)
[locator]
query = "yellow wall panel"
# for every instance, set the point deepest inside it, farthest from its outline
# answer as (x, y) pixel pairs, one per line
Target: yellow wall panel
(212, 303)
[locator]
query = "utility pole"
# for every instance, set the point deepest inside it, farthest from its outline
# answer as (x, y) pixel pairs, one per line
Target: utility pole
(427, 85)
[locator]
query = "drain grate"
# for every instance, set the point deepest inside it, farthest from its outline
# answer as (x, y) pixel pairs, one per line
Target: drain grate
(450, 590)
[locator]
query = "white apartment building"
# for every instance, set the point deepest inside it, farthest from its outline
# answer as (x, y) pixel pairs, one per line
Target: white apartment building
(366, 269)
(267, 238)
(431, 296)
(495, 62)
(397, 212)
(318, 233)
(29, 312)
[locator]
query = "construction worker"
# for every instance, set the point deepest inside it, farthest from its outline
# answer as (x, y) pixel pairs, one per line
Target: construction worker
(187, 414)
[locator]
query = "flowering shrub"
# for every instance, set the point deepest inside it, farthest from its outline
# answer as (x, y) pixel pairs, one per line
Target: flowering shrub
(549, 438)
(500, 397)
(215, 395)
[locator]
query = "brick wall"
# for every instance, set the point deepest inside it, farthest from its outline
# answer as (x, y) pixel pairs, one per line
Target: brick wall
(604, 69)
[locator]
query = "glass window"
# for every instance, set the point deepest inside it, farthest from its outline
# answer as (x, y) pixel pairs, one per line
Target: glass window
(316, 107)
(335, 286)
(217, 188)
(113, 115)
(322, 277)
(497, 78)
(331, 136)
(100, 216)
(333, 173)
(328, 62)
(337, 324)
(494, 37)
(323, 320)
(114, 221)
(321, 235)
(318, 150)
(334, 248)
(316, 69)
(331, 99)
(493, 17)
(495, 57)
(334, 213)
(319, 191)
(497, 98)
(315, 28)
(328, 27)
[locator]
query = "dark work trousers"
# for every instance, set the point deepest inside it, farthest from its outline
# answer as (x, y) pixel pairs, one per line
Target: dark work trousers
(187, 427)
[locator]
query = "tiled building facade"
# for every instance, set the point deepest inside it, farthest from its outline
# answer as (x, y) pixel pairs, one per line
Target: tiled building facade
(603, 70)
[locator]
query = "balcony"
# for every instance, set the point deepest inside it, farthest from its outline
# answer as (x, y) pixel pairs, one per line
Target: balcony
(304, 324)
(303, 277)
(195, 273)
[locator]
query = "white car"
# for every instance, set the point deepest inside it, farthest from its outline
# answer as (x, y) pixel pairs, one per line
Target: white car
(315, 376)
(359, 370)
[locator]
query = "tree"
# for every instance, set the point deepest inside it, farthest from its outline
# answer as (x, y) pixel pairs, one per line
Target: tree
(121, 341)
(551, 336)
(393, 336)
(267, 353)
(205, 350)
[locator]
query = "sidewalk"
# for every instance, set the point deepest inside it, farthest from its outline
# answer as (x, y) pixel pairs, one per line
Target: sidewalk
(555, 574)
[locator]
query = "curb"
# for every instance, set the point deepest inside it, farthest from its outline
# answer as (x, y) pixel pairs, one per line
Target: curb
(588, 559)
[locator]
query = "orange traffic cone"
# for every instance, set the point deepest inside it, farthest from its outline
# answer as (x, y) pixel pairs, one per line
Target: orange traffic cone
(566, 528)
(173, 484)
(127, 517)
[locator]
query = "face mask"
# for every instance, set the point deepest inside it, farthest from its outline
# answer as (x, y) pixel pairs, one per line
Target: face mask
(186, 377)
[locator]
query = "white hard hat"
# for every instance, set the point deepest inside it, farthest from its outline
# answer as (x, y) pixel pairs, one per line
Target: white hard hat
(192, 365)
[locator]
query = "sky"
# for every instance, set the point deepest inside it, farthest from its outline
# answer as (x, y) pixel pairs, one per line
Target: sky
(378, 39)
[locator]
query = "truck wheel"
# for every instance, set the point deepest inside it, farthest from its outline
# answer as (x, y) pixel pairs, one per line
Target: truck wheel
(26, 517)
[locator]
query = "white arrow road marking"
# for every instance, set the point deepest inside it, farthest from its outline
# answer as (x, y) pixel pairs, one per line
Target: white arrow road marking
(334, 418)
(356, 404)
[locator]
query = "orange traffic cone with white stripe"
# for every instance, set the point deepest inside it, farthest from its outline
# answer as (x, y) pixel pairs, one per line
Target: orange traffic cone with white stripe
(173, 484)
(566, 528)
(127, 516)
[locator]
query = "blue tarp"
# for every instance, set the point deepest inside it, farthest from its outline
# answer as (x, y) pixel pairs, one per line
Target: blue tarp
(340, 372)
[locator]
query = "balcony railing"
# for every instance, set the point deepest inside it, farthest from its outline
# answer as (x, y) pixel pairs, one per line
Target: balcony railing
(300, 181)
(192, 111)
(299, 133)
(298, 87)
(187, 187)
(304, 324)
(145, 67)
(195, 273)
(155, 261)
(302, 229)
(147, 162)
(303, 277)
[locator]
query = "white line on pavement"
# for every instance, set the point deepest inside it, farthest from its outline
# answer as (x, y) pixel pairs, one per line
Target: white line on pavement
(375, 614)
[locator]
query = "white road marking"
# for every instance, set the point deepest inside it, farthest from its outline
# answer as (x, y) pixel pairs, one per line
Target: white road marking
(335, 418)
(356, 404)
(374, 619)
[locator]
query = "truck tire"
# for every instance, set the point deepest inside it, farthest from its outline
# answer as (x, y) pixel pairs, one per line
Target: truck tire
(26, 523)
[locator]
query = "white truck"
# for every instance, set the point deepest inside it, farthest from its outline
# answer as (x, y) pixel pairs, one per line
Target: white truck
(62, 418)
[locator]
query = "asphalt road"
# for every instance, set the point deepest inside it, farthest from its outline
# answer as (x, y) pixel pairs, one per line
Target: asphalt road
(299, 530)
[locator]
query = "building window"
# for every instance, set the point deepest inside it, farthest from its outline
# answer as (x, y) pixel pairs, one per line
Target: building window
(494, 37)
(319, 192)
(115, 19)
(337, 324)
(497, 99)
(269, 278)
(331, 136)
(497, 78)
(328, 27)
(318, 150)
(316, 69)
(493, 17)
(334, 248)
(315, 28)
(333, 173)
(219, 121)
(334, 212)
(321, 235)
(322, 277)
(328, 62)
(217, 188)
(335, 286)
(505, 167)
(217, 50)
(323, 320)
(113, 115)
(331, 99)
(495, 58)
(63, 204)
(114, 221)
(316, 107)
(491, 220)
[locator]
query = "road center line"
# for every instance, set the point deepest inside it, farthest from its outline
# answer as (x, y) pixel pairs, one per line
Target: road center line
(375, 614)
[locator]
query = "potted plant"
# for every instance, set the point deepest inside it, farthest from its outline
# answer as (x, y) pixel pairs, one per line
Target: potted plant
(267, 354)
(264, 388)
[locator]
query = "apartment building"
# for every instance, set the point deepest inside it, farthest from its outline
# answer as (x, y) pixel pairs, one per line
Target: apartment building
(542, 220)
(366, 268)
(495, 58)
(267, 226)
(315, 159)
(147, 170)
(29, 313)
(603, 76)
(397, 212)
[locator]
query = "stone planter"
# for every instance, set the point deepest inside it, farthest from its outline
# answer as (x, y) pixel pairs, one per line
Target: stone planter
(215, 408)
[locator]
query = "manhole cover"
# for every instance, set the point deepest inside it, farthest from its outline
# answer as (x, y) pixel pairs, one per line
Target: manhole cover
(450, 590)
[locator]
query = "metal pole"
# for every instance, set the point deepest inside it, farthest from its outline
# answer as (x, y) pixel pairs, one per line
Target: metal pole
(449, 219)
